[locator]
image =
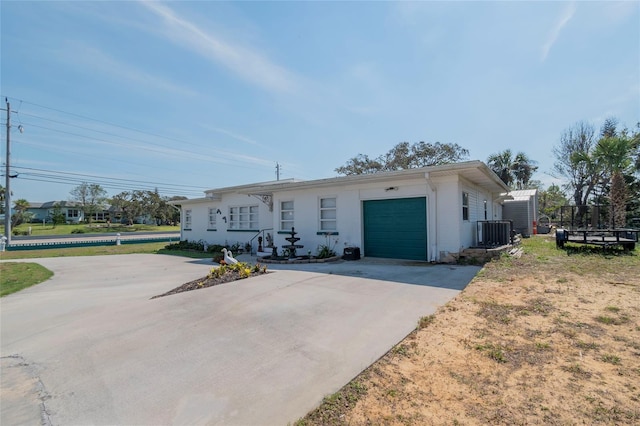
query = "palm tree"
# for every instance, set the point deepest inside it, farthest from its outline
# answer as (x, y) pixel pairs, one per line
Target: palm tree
(21, 205)
(614, 155)
(522, 169)
(501, 164)
(516, 171)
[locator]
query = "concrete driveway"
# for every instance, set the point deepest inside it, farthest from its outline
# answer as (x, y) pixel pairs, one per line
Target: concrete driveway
(89, 347)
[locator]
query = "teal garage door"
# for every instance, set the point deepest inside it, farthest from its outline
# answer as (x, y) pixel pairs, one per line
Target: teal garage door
(395, 229)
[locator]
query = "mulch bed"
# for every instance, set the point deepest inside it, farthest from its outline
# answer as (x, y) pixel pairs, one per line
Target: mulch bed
(205, 282)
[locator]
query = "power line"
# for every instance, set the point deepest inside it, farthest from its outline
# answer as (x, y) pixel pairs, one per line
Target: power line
(104, 122)
(111, 178)
(224, 159)
(110, 186)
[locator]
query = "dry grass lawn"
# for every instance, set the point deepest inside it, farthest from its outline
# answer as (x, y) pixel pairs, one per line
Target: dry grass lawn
(550, 338)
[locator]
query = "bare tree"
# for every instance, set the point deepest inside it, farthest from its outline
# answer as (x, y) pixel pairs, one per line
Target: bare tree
(575, 162)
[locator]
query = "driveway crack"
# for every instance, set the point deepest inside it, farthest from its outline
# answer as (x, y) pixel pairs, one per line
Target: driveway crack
(30, 370)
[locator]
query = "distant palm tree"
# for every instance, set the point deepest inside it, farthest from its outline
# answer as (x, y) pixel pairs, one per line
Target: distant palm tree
(21, 205)
(614, 155)
(516, 171)
(501, 163)
(522, 169)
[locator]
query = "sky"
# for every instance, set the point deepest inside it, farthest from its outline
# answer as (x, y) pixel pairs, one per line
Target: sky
(186, 96)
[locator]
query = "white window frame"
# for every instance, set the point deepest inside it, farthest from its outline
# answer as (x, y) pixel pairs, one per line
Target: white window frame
(287, 215)
(325, 221)
(244, 218)
(187, 219)
(465, 206)
(212, 219)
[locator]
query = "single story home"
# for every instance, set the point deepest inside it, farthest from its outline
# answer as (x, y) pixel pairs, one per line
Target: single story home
(73, 212)
(43, 211)
(428, 213)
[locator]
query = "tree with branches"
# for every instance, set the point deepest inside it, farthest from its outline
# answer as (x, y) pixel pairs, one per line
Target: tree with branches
(405, 156)
(91, 198)
(574, 162)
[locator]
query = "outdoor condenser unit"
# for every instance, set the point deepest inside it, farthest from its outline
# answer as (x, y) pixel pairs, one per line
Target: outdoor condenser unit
(496, 233)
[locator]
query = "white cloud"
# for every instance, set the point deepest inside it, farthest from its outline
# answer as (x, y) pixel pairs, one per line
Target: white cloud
(564, 19)
(231, 134)
(245, 62)
(102, 62)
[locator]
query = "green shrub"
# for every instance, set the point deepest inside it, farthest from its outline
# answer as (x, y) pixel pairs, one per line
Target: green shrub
(77, 231)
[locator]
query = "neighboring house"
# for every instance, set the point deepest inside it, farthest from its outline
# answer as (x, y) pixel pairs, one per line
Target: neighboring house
(428, 213)
(72, 211)
(522, 209)
(43, 211)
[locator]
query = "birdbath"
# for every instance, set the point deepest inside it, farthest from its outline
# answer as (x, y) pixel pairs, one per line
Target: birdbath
(292, 246)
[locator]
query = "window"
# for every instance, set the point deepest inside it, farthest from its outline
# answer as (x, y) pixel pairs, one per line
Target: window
(286, 215)
(243, 217)
(485, 209)
(212, 219)
(328, 221)
(187, 219)
(72, 213)
(465, 206)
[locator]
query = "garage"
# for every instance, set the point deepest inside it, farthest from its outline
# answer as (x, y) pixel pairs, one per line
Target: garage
(396, 228)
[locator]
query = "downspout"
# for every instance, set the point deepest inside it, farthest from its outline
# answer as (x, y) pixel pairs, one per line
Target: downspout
(434, 246)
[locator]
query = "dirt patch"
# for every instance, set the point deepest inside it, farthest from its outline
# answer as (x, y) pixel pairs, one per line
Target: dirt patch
(550, 338)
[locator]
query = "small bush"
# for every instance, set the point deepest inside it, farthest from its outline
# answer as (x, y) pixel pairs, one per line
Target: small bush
(194, 246)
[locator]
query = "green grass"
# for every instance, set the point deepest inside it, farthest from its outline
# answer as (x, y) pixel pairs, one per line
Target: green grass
(541, 254)
(15, 276)
(98, 228)
(151, 248)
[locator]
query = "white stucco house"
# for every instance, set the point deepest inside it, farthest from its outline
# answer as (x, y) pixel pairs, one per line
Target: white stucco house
(425, 214)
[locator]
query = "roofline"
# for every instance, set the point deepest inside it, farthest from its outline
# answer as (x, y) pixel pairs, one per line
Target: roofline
(237, 188)
(292, 184)
(379, 176)
(191, 201)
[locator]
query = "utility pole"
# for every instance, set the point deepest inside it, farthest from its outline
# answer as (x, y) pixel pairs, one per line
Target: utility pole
(277, 170)
(7, 188)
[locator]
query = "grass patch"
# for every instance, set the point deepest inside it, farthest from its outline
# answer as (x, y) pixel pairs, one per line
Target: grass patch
(149, 248)
(604, 319)
(424, 322)
(587, 346)
(101, 228)
(493, 311)
(334, 406)
(540, 253)
(577, 370)
(15, 276)
(495, 352)
(185, 253)
(611, 359)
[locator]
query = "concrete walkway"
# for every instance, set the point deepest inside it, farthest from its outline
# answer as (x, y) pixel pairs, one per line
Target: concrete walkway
(89, 347)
